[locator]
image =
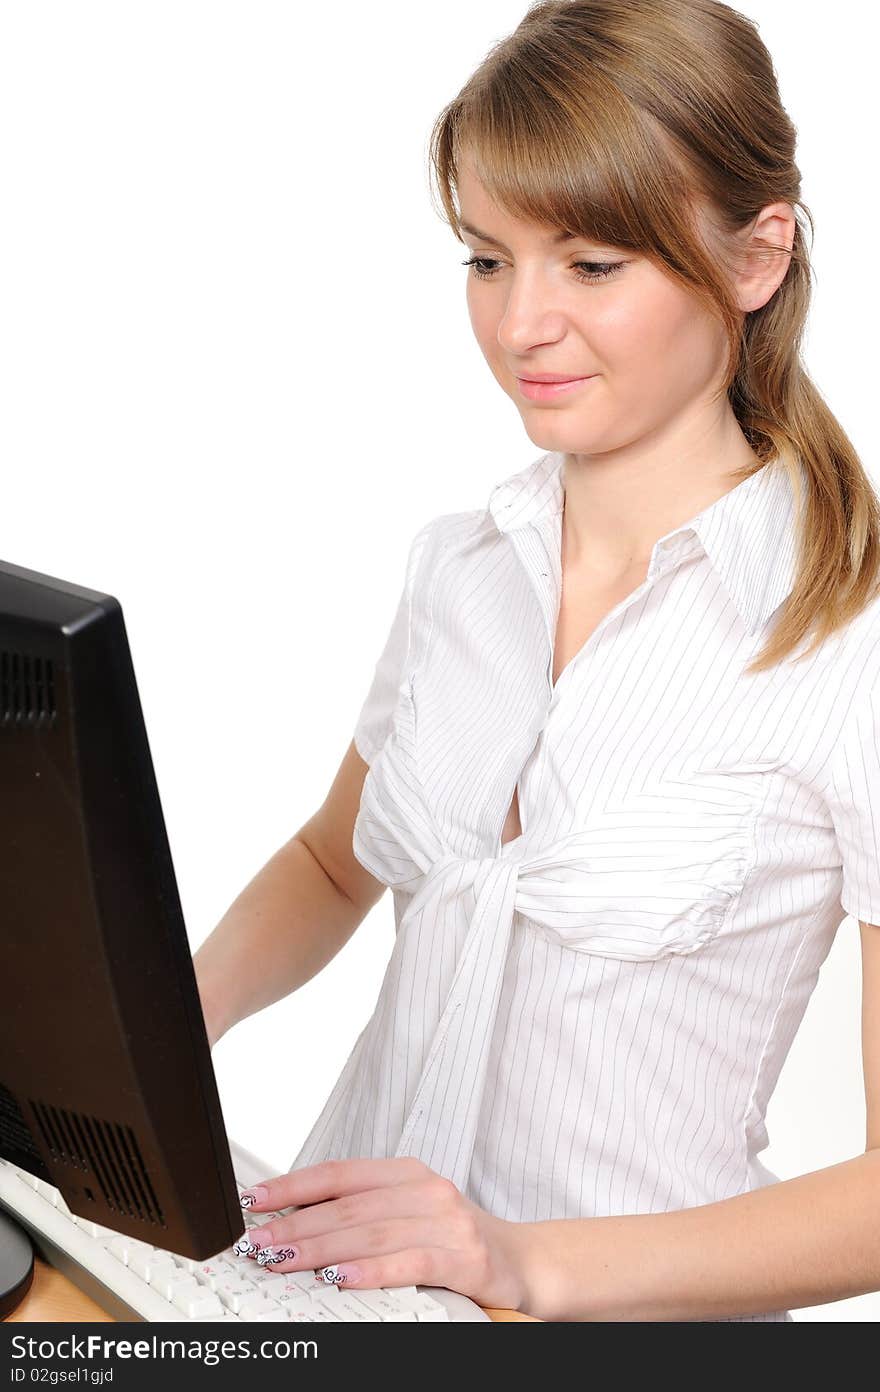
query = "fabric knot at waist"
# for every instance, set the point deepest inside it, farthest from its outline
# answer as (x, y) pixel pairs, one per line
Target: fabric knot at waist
(440, 1128)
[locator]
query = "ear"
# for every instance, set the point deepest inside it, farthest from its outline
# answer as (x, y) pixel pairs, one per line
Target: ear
(764, 255)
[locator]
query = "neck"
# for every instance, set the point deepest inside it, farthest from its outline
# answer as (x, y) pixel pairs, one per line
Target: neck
(618, 504)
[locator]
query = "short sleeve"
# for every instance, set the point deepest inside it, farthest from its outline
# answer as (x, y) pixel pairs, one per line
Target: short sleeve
(854, 801)
(374, 722)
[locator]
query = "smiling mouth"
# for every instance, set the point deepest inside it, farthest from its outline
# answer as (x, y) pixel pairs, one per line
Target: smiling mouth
(548, 391)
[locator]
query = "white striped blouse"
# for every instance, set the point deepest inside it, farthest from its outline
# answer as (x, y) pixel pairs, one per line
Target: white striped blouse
(591, 1018)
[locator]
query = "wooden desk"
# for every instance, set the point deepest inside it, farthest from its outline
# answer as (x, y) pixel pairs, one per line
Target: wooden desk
(53, 1299)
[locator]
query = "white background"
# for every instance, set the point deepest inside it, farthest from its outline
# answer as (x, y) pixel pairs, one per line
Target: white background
(238, 375)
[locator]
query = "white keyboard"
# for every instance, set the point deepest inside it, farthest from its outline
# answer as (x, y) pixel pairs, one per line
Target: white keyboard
(134, 1281)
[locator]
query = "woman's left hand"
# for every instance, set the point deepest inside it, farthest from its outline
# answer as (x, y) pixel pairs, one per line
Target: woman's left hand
(387, 1222)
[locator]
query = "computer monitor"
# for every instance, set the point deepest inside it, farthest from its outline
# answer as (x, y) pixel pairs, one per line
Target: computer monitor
(107, 1088)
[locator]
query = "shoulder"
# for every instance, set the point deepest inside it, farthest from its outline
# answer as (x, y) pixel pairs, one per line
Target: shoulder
(451, 527)
(843, 684)
(859, 643)
(447, 532)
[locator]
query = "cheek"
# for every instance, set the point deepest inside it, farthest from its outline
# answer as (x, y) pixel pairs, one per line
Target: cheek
(483, 317)
(657, 338)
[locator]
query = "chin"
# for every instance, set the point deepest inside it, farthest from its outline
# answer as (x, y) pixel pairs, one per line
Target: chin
(548, 434)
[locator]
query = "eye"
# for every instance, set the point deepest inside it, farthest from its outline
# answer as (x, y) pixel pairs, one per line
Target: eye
(584, 270)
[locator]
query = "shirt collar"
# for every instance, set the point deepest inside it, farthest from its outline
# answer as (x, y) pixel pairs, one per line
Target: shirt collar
(748, 534)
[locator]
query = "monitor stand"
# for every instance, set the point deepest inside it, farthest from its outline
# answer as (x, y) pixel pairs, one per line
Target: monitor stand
(16, 1264)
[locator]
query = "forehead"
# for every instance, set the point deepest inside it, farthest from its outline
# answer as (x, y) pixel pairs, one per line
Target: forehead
(483, 221)
(480, 211)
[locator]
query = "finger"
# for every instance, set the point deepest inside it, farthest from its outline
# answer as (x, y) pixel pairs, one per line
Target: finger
(418, 1199)
(415, 1266)
(328, 1180)
(371, 1240)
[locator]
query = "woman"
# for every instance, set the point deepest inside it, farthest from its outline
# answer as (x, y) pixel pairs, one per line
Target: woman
(619, 795)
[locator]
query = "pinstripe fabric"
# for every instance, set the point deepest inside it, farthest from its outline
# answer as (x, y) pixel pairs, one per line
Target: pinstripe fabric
(591, 1018)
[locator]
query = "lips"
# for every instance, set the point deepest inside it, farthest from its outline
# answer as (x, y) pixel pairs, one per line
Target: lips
(555, 377)
(548, 391)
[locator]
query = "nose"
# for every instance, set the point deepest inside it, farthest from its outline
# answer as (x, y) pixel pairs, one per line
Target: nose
(532, 315)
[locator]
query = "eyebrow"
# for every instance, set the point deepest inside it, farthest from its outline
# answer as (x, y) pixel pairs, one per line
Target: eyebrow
(485, 237)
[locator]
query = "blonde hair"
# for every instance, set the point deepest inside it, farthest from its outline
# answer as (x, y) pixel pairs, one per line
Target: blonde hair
(613, 119)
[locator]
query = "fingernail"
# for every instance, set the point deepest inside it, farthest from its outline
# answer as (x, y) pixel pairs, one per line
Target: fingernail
(244, 1247)
(335, 1275)
(259, 1194)
(271, 1255)
(262, 1237)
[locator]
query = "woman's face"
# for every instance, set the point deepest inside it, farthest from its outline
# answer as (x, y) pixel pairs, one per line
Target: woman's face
(648, 348)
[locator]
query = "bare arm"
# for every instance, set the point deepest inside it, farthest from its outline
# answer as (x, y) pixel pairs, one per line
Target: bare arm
(293, 916)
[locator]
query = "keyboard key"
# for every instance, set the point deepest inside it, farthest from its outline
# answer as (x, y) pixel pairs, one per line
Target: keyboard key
(299, 1282)
(425, 1307)
(211, 1273)
(198, 1303)
(320, 1312)
(345, 1305)
(249, 1271)
(139, 1263)
(288, 1292)
(266, 1310)
(301, 1309)
(432, 1311)
(95, 1229)
(251, 1306)
(136, 1249)
(151, 1264)
(384, 1303)
(234, 1293)
(296, 1305)
(169, 1283)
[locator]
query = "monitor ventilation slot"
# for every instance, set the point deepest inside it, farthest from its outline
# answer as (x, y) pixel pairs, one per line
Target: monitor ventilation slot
(16, 1141)
(108, 1152)
(27, 689)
